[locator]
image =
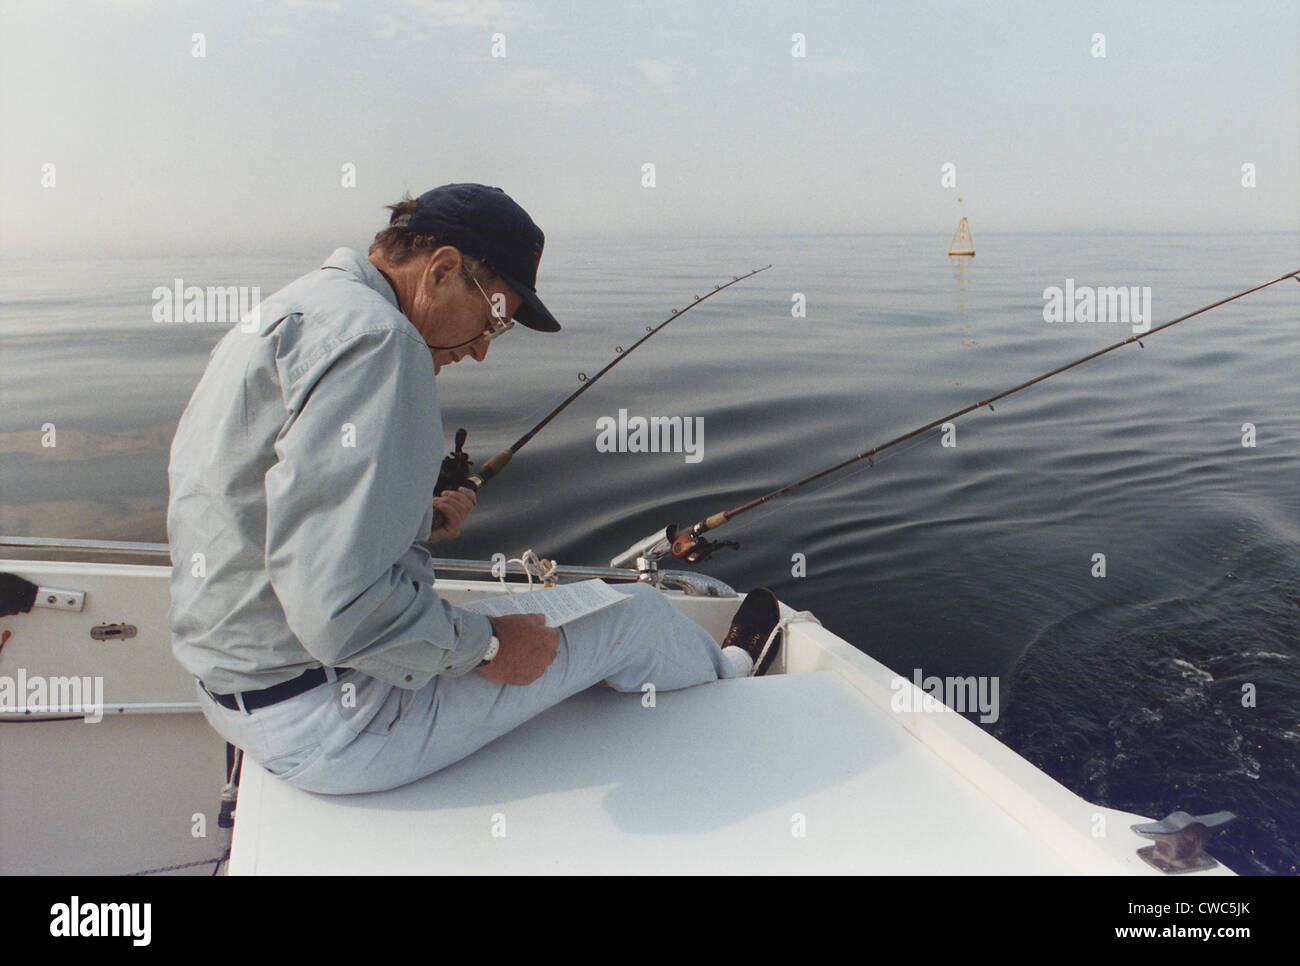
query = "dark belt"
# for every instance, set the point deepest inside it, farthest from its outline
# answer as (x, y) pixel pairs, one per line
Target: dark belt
(311, 678)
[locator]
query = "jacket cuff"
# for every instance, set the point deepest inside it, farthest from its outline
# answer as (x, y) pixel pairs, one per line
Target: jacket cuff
(473, 634)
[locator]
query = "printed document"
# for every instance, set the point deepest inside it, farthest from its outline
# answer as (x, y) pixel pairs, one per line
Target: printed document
(560, 604)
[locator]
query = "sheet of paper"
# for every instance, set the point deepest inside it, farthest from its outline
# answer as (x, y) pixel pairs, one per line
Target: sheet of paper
(561, 604)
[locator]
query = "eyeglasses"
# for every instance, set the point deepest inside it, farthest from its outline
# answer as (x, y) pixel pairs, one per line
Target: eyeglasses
(498, 325)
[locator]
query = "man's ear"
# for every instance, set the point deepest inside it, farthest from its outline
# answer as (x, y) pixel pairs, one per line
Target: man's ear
(445, 261)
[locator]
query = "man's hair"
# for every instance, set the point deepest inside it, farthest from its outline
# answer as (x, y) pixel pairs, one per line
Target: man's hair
(397, 244)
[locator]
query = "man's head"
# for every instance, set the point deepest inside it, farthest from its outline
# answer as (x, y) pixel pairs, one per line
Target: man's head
(463, 259)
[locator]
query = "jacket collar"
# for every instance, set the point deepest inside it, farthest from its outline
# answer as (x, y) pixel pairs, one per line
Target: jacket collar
(354, 263)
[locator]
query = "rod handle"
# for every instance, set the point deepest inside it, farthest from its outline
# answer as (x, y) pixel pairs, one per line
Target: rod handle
(717, 520)
(490, 469)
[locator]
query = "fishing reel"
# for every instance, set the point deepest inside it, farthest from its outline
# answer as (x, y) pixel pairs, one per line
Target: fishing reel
(682, 542)
(455, 471)
(693, 548)
(456, 466)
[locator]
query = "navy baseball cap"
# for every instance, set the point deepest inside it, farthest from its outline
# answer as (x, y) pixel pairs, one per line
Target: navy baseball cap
(486, 223)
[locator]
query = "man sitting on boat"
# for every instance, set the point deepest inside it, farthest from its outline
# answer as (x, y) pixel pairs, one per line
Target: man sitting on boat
(301, 476)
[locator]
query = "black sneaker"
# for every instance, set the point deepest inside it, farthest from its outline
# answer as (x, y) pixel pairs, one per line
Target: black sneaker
(759, 613)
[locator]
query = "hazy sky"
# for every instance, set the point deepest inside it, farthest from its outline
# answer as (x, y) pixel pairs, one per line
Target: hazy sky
(154, 148)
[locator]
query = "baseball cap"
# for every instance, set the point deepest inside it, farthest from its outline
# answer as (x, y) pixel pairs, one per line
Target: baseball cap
(486, 223)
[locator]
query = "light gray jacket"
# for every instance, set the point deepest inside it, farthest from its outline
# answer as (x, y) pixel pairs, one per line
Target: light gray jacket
(301, 476)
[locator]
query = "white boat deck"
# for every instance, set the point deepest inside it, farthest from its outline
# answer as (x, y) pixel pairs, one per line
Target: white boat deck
(715, 779)
(809, 770)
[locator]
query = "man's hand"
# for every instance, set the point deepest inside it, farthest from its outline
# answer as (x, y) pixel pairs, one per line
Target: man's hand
(449, 512)
(528, 647)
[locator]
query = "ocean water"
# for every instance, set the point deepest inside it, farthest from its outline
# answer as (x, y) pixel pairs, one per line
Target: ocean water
(1132, 689)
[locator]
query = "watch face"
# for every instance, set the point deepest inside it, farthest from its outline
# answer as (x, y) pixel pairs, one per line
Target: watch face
(494, 645)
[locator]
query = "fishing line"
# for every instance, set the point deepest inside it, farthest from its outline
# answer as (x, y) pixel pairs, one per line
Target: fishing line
(870, 464)
(688, 543)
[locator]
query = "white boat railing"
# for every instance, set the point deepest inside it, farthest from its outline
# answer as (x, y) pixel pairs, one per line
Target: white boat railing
(691, 584)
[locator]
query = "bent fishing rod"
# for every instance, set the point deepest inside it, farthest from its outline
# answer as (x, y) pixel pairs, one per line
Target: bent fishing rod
(688, 543)
(455, 466)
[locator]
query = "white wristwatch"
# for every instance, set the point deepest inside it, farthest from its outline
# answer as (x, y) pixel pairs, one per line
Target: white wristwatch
(494, 645)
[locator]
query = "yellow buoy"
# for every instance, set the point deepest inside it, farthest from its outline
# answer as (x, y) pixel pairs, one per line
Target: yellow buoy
(962, 242)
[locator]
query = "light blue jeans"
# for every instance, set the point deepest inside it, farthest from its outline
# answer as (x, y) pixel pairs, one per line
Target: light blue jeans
(359, 734)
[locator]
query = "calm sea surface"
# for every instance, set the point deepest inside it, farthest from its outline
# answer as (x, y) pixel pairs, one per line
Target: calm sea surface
(976, 559)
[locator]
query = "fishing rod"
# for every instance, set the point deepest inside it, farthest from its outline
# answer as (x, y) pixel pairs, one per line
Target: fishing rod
(688, 543)
(456, 465)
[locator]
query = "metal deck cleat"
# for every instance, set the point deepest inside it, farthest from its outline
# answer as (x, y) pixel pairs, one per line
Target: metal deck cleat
(1179, 839)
